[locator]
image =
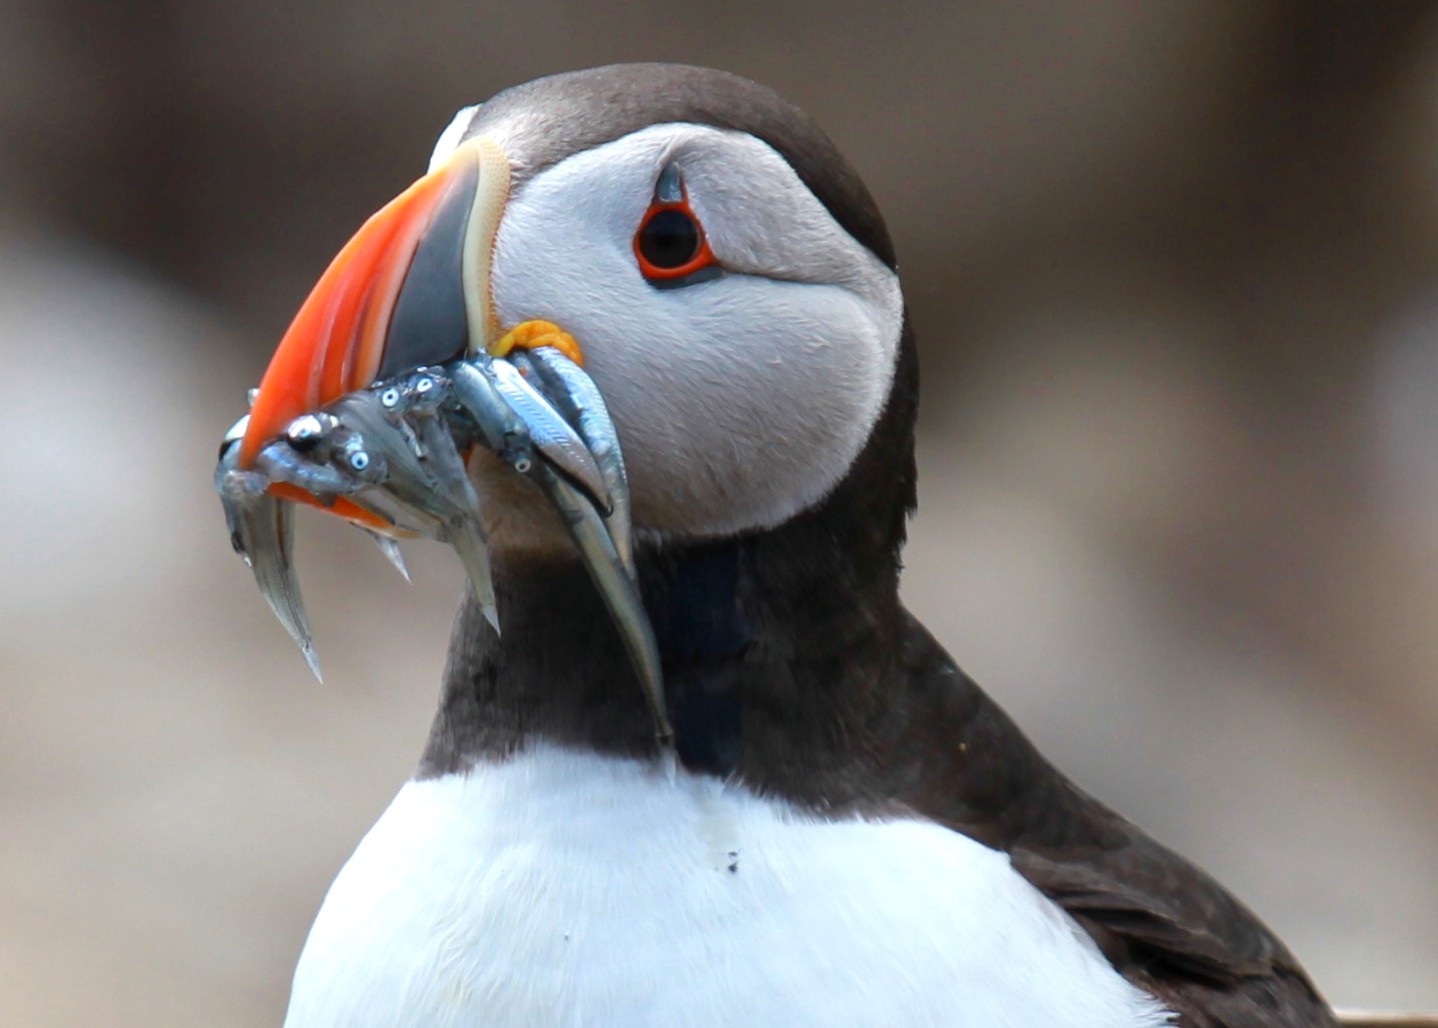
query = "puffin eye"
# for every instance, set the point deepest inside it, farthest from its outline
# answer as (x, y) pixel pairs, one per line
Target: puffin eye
(669, 239)
(670, 243)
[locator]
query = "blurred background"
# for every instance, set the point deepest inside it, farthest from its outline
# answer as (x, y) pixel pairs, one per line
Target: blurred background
(1174, 268)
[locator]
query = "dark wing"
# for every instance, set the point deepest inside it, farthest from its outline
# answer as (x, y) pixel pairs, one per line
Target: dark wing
(1174, 931)
(1165, 924)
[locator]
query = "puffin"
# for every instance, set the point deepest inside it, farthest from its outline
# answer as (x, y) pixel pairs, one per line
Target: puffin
(838, 827)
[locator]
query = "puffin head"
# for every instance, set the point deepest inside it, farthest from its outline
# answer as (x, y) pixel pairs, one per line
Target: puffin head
(694, 239)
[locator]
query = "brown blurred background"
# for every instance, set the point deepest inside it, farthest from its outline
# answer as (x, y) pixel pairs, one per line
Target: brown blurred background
(1174, 268)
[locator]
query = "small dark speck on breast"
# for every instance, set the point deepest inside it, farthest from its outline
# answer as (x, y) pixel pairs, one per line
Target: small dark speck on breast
(733, 861)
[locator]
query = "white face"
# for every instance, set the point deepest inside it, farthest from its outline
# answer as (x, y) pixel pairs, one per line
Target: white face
(739, 401)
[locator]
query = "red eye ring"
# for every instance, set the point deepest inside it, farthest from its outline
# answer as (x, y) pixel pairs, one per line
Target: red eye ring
(670, 242)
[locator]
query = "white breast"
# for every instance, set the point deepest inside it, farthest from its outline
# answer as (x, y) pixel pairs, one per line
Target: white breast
(569, 889)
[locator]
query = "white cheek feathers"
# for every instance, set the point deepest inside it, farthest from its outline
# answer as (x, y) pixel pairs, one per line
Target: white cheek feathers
(741, 401)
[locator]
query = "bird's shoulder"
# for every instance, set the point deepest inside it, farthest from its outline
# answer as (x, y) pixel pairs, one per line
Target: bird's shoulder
(1164, 923)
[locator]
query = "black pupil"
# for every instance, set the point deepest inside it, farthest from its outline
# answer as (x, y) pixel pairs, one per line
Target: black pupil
(669, 239)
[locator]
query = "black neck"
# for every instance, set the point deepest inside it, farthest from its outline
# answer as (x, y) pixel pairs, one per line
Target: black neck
(760, 638)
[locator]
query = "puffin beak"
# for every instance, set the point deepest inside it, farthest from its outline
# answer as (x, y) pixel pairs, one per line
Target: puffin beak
(410, 289)
(406, 309)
